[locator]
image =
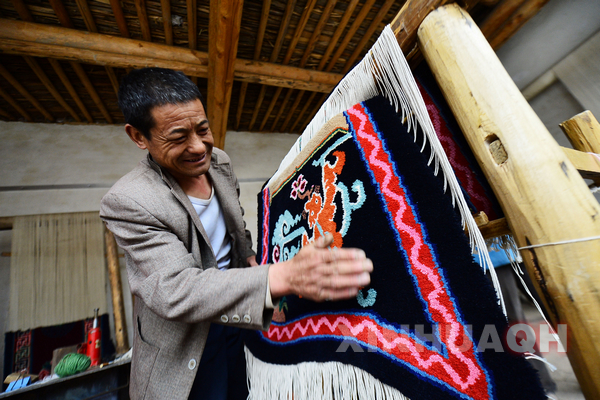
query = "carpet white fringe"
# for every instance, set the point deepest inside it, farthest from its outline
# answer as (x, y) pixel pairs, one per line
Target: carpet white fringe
(312, 380)
(385, 71)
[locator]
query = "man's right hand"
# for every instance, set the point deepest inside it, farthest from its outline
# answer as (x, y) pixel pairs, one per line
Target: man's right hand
(319, 273)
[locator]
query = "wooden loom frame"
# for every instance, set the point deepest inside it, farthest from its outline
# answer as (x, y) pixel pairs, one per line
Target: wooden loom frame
(544, 198)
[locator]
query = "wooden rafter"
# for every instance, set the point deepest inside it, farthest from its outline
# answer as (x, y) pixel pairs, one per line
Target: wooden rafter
(516, 21)
(224, 25)
(264, 17)
(24, 38)
(15, 83)
(65, 20)
(350, 34)
(281, 108)
(192, 19)
(317, 31)
(15, 105)
(293, 108)
(50, 86)
(313, 39)
(140, 6)
(88, 18)
(26, 16)
(6, 115)
(338, 33)
(67, 83)
(22, 10)
(290, 51)
(499, 15)
(120, 17)
(306, 105)
(91, 90)
(285, 22)
(86, 13)
(167, 23)
(368, 34)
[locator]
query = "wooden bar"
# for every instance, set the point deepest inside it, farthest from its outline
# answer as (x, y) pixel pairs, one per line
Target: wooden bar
(6, 115)
(281, 108)
(499, 15)
(65, 80)
(120, 17)
(373, 26)
(15, 105)
(167, 23)
(192, 24)
(350, 34)
(224, 24)
(587, 164)
(325, 14)
(22, 10)
(583, 131)
(140, 6)
(15, 83)
(525, 12)
(338, 33)
(50, 86)
(545, 200)
(25, 38)
(86, 13)
(91, 90)
(116, 291)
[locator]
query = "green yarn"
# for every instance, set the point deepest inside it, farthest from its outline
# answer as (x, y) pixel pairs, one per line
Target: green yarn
(72, 364)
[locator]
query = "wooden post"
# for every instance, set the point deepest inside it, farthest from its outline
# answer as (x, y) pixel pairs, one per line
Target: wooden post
(225, 20)
(116, 290)
(583, 131)
(545, 201)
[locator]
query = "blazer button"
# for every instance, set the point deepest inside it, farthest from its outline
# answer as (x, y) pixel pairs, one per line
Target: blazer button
(192, 364)
(236, 318)
(247, 319)
(224, 318)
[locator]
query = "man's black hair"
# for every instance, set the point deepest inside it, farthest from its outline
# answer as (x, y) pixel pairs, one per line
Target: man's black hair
(143, 89)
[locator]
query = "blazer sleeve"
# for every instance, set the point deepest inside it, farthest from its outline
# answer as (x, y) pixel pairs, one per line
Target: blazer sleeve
(167, 278)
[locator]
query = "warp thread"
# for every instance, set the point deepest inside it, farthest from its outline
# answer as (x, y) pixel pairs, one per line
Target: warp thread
(72, 364)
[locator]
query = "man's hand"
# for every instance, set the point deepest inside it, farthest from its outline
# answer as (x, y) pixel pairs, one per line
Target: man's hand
(319, 273)
(252, 261)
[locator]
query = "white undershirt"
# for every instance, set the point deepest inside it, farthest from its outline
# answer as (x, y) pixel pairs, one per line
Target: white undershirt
(212, 219)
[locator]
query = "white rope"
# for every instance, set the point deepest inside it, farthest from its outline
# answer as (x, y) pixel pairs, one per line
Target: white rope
(384, 70)
(585, 239)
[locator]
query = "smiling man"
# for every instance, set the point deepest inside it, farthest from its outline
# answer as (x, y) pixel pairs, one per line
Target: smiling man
(178, 219)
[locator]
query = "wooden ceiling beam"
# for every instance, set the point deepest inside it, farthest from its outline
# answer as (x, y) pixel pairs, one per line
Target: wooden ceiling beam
(317, 31)
(15, 105)
(524, 13)
(293, 108)
(264, 17)
(6, 115)
(285, 22)
(338, 33)
(140, 6)
(306, 105)
(498, 16)
(88, 18)
(120, 17)
(15, 83)
(91, 90)
(308, 9)
(167, 22)
(192, 16)
(351, 32)
(67, 83)
(22, 10)
(65, 21)
(225, 20)
(24, 38)
(368, 34)
(281, 108)
(50, 86)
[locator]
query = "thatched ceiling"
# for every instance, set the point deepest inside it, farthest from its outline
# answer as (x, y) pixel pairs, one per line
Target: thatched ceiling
(43, 84)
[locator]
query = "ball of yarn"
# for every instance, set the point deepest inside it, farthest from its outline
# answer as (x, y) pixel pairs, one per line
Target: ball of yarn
(72, 364)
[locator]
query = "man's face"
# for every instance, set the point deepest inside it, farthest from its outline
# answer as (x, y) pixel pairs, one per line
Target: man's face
(181, 140)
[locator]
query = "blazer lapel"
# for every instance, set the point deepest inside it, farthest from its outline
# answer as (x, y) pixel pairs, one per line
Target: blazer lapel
(182, 198)
(226, 193)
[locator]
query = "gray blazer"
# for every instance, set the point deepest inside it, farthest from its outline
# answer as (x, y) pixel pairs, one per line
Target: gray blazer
(172, 272)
